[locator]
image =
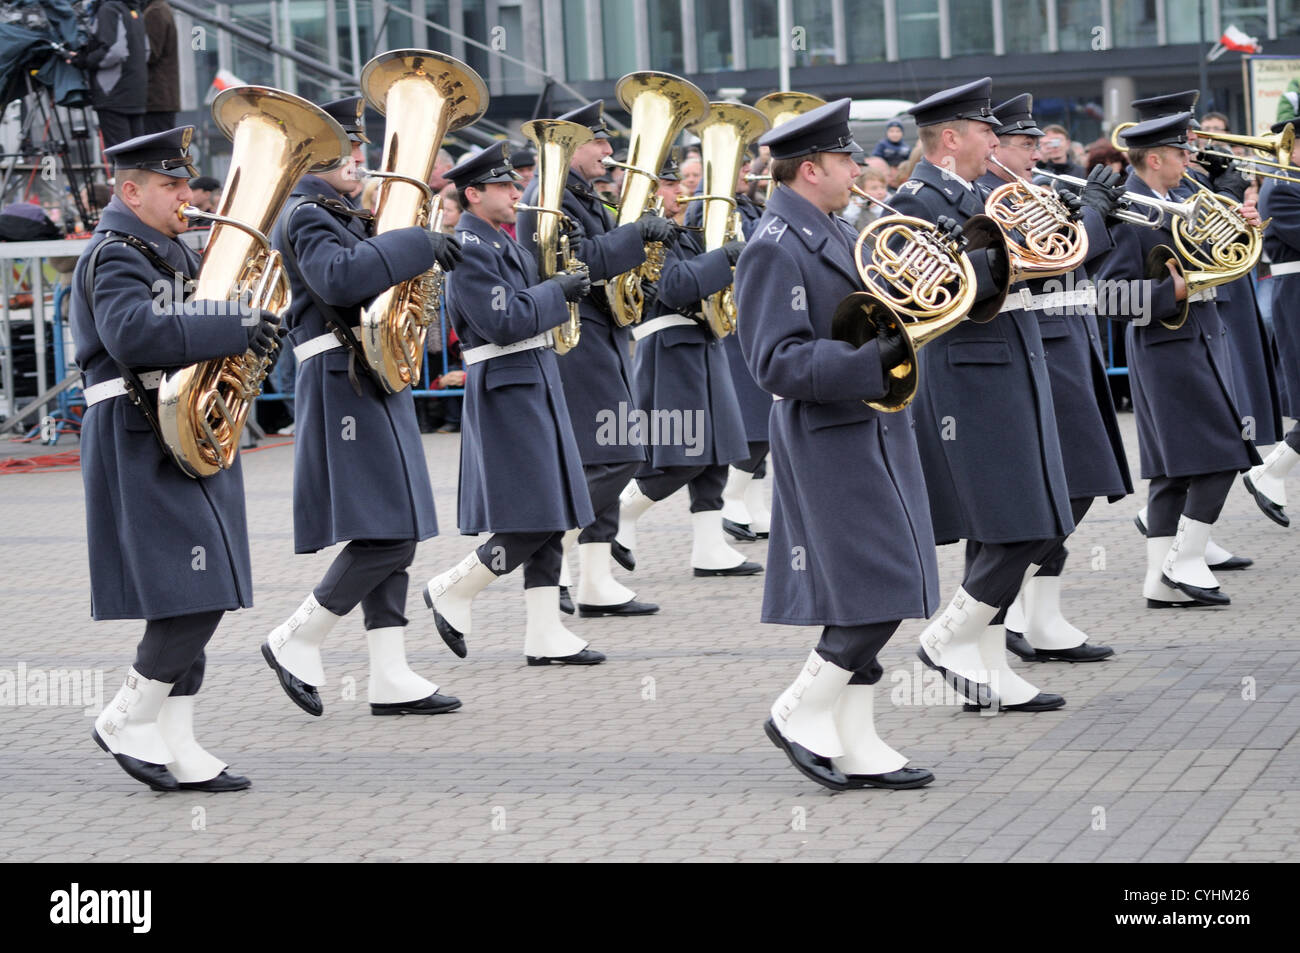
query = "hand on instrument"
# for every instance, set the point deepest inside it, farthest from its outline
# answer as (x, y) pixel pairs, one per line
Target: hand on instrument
(1215, 162)
(574, 285)
(950, 230)
(265, 334)
(654, 228)
(893, 350)
(446, 250)
(733, 250)
(1103, 190)
(1180, 285)
(1072, 202)
(1232, 182)
(1250, 212)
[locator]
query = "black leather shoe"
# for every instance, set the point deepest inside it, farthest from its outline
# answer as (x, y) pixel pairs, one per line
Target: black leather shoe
(740, 531)
(1204, 597)
(631, 607)
(1079, 653)
(585, 657)
(1043, 701)
(622, 555)
(898, 780)
(980, 691)
(300, 693)
(566, 602)
(744, 569)
(1231, 563)
(1018, 644)
(810, 765)
(1161, 604)
(1274, 512)
(146, 772)
(435, 704)
(225, 781)
(455, 641)
(1142, 527)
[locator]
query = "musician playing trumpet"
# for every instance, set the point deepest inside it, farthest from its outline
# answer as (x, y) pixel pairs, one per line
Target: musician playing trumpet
(164, 547)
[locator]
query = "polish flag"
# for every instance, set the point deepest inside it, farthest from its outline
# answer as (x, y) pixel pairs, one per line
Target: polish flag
(1234, 39)
(222, 81)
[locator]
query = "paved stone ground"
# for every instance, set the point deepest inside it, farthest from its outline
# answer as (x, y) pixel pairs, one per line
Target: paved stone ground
(1182, 747)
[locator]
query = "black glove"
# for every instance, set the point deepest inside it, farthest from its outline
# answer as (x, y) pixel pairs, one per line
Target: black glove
(1215, 162)
(1103, 190)
(446, 250)
(893, 351)
(1232, 182)
(950, 231)
(733, 250)
(264, 335)
(1071, 202)
(573, 284)
(653, 228)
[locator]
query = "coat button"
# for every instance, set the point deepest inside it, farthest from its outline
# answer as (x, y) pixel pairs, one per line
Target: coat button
(885, 427)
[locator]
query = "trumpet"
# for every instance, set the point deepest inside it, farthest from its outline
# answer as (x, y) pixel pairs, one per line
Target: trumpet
(1279, 145)
(1051, 241)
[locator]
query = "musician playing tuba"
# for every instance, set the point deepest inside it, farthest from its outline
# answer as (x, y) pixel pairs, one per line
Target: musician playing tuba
(164, 546)
(359, 471)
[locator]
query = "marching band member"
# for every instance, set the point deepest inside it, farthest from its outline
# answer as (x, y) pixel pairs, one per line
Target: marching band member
(516, 421)
(1091, 446)
(1190, 433)
(359, 472)
(682, 373)
(1280, 201)
(164, 547)
(985, 424)
(850, 522)
(597, 374)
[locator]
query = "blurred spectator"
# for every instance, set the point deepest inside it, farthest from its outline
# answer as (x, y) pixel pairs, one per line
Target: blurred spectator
(860, 212)
(26, 222)
(892, 148)
(205, 193)
(164, 98)
(441, 166)
(904, 172)
(117, 59)
(1078, 154)
(691, 170)
(1055, 146)
(1103, 152)
(442, 414)
(450, 209)
(525, 163)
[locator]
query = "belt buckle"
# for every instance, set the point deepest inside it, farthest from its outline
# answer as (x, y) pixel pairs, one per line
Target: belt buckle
(1026, 299)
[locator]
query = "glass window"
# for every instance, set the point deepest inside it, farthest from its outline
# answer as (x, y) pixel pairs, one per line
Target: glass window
(761, 28)
(1078, 24)
(474, 16)
(864, 22)
(815, 20)
(713, 36)
(1248, 16)
(1288, 17)
(665, 19)
(1024, 25)
(398, 26)
(577, 64)
(435, 11)
(918, 28)
(619, 27)
(971, 27)
(365, 32)
(1133, 22)
(1180, 22)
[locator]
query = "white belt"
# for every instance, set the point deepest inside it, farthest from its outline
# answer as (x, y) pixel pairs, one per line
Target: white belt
(320, 344)
(117, 387)
(1285, 268)
(1056, 300)
(1205, 294)
(485, 352)
(647, 328)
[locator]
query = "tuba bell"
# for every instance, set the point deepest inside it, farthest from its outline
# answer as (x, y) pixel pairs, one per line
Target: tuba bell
(277, 138)
(779, 108)
(1042, 235)
(556, 141)
(662, 105)
(724, 134)
(424, 95)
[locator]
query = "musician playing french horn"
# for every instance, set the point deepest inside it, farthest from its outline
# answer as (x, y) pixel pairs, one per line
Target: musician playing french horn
(359, 470)
(164, 547)
(597, 374)
(1091, 446)
(516, 422)
(852, 551)
(682, 374)
(1191, 436)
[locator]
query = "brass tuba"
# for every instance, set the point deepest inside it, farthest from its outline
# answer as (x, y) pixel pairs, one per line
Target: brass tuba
(1042, 235)
(920, 282)
(277, 138)
(779, 108)
(556, 141)
(662, 105)
(724, 134)
(424, 95)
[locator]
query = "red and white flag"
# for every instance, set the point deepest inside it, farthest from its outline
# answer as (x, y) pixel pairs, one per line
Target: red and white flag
(1234, 39)
(222, 81)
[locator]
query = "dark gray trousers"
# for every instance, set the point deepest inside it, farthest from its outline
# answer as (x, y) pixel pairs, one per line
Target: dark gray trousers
(605, 481)
(855, 647)
(372, 573)
(171, 650)
(538, 553)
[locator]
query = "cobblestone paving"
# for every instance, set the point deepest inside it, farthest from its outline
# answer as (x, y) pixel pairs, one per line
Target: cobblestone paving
(1182, 747)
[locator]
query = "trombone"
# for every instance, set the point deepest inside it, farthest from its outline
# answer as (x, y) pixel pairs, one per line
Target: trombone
(1279, 145)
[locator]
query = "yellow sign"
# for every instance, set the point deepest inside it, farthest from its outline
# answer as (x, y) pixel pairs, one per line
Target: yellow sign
(1267, 81)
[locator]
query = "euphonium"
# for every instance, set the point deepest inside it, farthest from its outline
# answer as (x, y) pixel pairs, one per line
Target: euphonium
(662, 105)
(724, 134)
(1042, 235)
(277, 138)
(556, 141)
(779, 108)
(424, 95)
(921, 284)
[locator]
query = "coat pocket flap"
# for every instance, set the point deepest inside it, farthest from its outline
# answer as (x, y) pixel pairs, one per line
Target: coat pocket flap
(979, 352)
